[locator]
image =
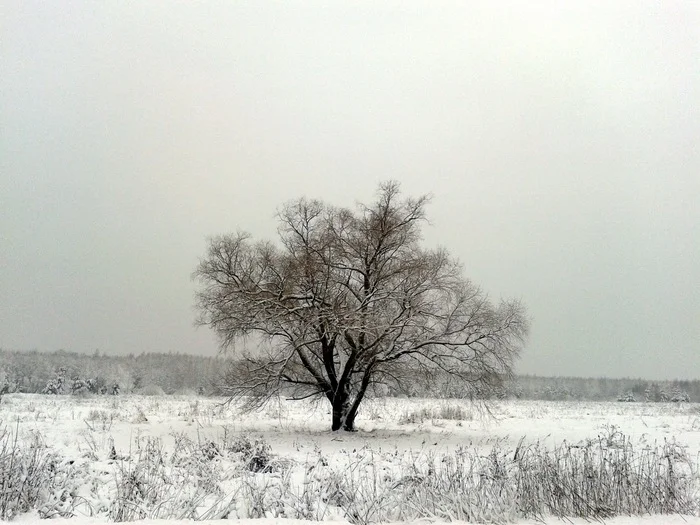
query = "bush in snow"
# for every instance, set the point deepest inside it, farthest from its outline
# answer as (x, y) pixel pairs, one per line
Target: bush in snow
(79, 387)
(56, 385)
(256, 453)
(627, 397)
(680, 397)
(96, 385)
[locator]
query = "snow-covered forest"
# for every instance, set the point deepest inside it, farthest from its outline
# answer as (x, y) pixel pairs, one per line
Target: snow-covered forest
(31, 372)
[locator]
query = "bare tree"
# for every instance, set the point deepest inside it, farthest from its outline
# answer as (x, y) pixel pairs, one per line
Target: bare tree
(349, 299)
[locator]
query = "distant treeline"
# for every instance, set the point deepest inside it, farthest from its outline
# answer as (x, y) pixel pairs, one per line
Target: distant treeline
(32, 372)
(71, 372)
(602, 389)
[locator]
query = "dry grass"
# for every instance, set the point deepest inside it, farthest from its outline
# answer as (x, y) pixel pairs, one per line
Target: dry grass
(445, 411)
(240, 477)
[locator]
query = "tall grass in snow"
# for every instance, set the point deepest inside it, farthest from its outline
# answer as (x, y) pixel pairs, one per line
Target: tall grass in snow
(32, 478)
(239, 477)
(593, 480)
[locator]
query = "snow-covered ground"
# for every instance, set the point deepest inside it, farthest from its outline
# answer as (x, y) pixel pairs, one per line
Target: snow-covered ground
(171, 450)
(621, 520)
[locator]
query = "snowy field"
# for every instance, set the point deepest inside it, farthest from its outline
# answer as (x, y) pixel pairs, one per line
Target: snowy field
(129, 458)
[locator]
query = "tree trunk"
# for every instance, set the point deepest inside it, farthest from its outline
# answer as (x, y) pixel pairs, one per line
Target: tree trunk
(341, 410)
(345, 411)
(338, 418)
(343, 419)
(351, 413)
(349, 424)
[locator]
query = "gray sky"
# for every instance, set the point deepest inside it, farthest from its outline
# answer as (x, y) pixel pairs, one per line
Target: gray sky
(559, 140)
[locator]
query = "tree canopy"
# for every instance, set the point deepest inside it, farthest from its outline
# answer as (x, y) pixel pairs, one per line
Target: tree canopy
(348, 299)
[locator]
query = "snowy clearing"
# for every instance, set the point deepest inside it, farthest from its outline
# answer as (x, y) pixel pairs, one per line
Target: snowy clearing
(133, 457)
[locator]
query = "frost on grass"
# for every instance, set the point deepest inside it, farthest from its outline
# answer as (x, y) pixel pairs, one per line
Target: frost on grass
(150, 458)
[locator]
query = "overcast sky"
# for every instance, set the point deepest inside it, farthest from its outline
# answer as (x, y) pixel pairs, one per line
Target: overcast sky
(560, 142)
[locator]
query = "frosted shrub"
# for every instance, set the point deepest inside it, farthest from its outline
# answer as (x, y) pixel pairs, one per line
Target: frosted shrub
(680, 397)
(57, 384)
(627, 397)
(79, 387)
(255, 453)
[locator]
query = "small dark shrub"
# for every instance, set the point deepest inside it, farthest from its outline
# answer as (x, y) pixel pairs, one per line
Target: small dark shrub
(255, 454)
